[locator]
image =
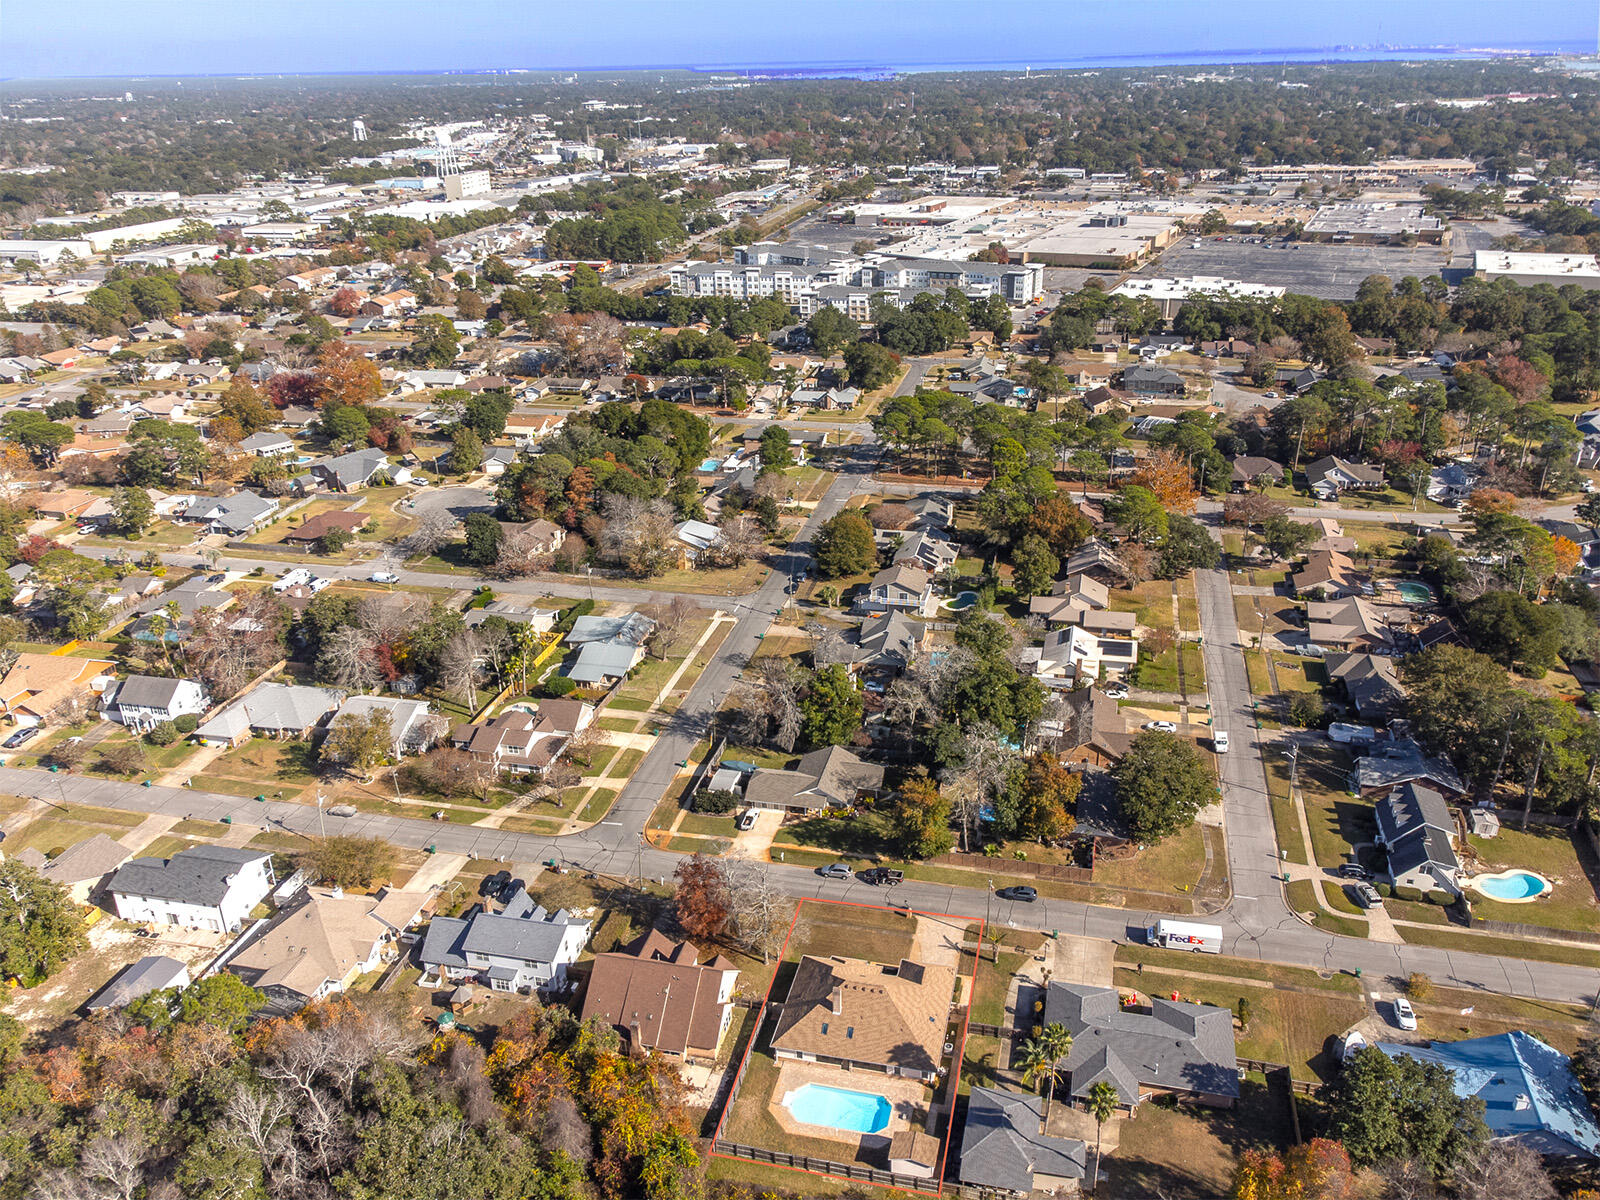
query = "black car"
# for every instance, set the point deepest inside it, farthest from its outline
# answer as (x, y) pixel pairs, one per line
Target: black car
(21, 737)
(1026, 894)
(883, 876)
(1352, 870)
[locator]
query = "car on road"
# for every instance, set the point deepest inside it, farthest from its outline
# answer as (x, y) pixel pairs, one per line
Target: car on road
(21, 737)
(1269, 395)
(883, 876)
(1161, 726)
(835, 871)
(747, 820)
(1352, 1044)
(1219, 742)
(1352, 870)
(1117, 691)
(1021, 892)
(1404, 1015)
(1366, 895)
(383, 577)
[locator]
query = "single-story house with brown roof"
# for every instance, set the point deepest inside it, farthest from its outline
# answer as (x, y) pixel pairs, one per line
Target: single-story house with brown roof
(324, 523)
(660, 997)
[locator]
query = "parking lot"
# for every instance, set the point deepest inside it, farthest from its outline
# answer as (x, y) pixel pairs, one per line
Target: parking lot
(1309, 269)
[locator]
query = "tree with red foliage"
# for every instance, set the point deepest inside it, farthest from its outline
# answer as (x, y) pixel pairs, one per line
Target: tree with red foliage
(346, 302)
(345, 375)
(1318, 1170)
(34, 547)
(292, 389)
(704, 905)
(390, 435)
(1521, 378)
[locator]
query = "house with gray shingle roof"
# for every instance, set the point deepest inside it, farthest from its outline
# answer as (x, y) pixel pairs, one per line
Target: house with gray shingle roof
(1417, 833)
(203, 887)
(1004, 1147)
(240, 513)
(272, 710)
(518, 949)
(1171, 1047)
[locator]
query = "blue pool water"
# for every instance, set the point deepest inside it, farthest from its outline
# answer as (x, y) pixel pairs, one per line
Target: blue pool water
(837, 1108)
(1517, 885)
(964, 600)
(1414, 593)
(709, 465)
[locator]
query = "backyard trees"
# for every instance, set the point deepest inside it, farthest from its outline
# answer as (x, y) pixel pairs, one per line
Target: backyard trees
(1384, 1108)
(40, 927)
(229, 649)
(342, 861)
(638, 534)
(844, 546)
(1162, 784)
(775, 452)
(870, 365)
(1034, 566)
(1047, 799)
(830, 329)
(1318, 1170)
(132, 510)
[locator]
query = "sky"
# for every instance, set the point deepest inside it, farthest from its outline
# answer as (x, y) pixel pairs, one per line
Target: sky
(115, 38)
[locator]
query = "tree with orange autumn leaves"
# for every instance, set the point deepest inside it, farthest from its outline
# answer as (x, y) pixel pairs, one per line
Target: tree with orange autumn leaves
(345, 375)
(1166, 473)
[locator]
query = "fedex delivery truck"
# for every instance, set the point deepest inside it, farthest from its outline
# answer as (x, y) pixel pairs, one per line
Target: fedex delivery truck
(1185, 935)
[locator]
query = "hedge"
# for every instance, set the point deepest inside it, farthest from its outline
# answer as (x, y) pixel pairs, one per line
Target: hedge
(569, 618)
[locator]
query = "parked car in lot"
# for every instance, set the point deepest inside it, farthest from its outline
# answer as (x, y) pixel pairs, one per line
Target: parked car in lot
(1366, 895)
(1161, 726)
(1352, 870)
(1404, 1015)
(1021, 892)
(835, 871)
(747, 820)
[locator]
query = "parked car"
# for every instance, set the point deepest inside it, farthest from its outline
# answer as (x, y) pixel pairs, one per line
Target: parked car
(747, 820)
(883, 876)
(1404, 1015)
(835, 871)
(1021, 892)
(1352, 870)
(1310, 650)
(1161, 726)
(1352, 1045)
(1219, 742)
(21, 737)
(383, 577)
(1117, 691)
(1366, 895)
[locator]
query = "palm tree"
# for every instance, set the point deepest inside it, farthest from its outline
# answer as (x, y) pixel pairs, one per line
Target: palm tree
(1041, 1061)
(1102, 1099)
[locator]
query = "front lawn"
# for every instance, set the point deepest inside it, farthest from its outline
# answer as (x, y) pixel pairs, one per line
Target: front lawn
(1174, 860)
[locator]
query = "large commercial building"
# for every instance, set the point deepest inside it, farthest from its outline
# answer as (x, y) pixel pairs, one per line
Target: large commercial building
(1172, 294)
(1529, 269)
(464, 184)
(1374, 224)
(45, 252)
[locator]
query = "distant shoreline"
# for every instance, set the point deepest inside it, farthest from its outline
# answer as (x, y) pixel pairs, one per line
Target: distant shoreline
(867, 70)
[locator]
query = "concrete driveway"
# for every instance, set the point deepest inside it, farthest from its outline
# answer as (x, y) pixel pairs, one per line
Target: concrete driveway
(458, 500)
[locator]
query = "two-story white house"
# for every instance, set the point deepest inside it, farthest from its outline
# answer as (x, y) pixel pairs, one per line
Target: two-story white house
(520, 949)
(142, 702)
(203, 887)
(1076, 653)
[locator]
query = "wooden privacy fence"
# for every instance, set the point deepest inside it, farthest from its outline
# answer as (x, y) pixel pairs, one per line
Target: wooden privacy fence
(823, 1166)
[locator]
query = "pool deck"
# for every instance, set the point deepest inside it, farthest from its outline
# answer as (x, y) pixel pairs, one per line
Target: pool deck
(908, 1103)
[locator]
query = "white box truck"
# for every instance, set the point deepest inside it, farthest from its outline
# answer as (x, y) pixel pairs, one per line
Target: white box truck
(292, 579)
(1185, 935)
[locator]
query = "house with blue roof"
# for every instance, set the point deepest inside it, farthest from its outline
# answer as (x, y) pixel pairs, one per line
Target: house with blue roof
(1528, 1090)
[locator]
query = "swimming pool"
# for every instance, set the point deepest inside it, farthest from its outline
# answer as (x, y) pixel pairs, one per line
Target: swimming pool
(709, 465)
(1511, 887)
(1413, 592)
(964, 600)
(838, 1108)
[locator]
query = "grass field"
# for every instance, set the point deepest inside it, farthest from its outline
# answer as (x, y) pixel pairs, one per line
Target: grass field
(1551, 852)
(1302, 894)
(1451, 939)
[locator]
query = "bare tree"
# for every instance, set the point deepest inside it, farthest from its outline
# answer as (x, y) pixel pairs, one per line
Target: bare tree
(461, 670)
(436, 527)
(1406, 1179)
(391, 616)
(771, 702)
(521, 553)
(738, 539)
(229, 649)
(1495, 1170)
(829, 645)
(638, 534)
(760, 910)
(349, 659)
(986, 766)
(670, 625)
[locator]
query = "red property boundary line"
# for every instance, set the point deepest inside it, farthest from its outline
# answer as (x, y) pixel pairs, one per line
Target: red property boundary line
(761, 1017)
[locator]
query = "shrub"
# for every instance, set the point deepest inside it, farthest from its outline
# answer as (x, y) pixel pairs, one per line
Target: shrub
(558, 685)
(162, 734)
(1401, 892)
(1245, 1013)
(1441, 897)
(187, 723)
(1307, 710)
(1383, 889)
(1419, 986)
(716, 801)
(67, 753)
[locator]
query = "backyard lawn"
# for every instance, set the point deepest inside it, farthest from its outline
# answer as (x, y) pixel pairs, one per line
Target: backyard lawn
(1550, 851)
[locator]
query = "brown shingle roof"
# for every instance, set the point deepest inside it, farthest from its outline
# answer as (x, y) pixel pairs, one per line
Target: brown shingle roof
(846, 1008)
(659, 997)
